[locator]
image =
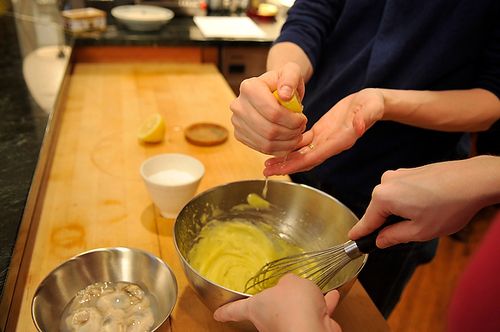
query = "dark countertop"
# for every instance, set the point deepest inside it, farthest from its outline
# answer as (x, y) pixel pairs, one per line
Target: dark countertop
(23, 122)
(180, 31)
(22, 126)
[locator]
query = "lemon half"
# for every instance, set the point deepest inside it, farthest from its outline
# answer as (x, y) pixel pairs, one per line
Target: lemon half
(152, 130)
(293, 104)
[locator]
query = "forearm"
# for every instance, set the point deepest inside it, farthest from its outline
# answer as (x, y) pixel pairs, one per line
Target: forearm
(454, 110)
(284, 52)
(483, 174)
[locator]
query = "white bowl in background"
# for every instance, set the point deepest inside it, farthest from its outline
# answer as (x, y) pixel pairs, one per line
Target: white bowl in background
(171, 180)
(142, 17)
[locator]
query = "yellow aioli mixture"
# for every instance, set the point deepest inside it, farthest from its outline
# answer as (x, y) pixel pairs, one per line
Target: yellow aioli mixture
(231, 252)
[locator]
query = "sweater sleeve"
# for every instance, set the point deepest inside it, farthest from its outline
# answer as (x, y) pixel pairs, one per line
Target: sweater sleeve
(474, 305)
(309, 23)
(489, 70)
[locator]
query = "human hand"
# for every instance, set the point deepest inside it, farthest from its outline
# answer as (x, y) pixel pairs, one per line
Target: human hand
(294, 304)
(434, 200)
(259, 121)
(335, 132)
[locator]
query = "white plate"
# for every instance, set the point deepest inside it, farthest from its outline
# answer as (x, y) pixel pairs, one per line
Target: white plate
(142, 17)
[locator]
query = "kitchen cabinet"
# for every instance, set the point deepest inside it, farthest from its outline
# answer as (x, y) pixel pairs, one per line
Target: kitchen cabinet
(240, 62)
(175, 54)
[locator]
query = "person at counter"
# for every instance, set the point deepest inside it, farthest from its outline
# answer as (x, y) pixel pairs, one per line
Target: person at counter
(435, 200)
(366, 64)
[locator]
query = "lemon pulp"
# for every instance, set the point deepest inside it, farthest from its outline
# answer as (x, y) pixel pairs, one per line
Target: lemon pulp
(152, 130)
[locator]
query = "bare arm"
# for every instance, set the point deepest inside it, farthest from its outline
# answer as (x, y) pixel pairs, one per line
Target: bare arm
(455, 110)
(337, 130)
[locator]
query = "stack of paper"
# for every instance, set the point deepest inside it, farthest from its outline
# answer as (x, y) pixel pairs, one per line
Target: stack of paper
(228, 27)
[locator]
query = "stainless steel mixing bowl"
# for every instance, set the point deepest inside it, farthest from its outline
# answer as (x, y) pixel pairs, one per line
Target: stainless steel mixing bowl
(105, 264)
(309, 217)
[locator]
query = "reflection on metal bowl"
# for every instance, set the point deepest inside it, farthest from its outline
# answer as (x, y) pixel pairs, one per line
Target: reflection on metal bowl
(309, 217)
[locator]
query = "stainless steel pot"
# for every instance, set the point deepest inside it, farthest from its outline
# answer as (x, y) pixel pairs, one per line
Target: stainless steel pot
(313, 219)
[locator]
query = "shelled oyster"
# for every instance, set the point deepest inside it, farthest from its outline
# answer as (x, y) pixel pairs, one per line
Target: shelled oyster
(109, 306)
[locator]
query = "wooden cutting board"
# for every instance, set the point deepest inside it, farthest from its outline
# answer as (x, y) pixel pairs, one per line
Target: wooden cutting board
(93, 195)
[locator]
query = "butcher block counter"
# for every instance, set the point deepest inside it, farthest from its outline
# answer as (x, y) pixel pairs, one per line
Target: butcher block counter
(90, 193)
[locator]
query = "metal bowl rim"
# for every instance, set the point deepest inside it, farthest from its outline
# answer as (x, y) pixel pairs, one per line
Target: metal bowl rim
(104, 249)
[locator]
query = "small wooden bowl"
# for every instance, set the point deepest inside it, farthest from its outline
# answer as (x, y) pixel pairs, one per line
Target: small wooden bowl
(206, 134)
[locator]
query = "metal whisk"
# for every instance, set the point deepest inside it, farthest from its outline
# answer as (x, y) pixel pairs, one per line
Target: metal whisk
(319, 266)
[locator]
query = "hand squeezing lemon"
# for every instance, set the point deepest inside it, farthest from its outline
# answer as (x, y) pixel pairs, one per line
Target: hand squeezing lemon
(152, 130)
(293, 104)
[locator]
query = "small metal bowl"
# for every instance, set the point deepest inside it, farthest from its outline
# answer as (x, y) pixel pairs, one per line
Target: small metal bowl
(313, 219)
(104, 264)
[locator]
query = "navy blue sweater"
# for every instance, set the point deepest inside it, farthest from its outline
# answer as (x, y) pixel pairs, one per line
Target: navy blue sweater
(398, 44)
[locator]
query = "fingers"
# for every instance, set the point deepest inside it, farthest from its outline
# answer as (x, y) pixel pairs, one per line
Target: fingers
(332, 299)
(260, 122)
(401, 232)
(391, 175)
(289, 81)
(289, 279)
(304, 159)
(314, 148)
(381, 206)
(294, 161)
(257, 140)
(375, 215)
(255, 95)
(233, 312)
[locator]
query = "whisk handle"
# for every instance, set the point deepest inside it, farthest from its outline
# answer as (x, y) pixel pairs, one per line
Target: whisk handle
(367, 243)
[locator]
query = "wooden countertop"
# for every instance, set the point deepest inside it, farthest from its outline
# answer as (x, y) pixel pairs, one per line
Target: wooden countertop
(92, 195)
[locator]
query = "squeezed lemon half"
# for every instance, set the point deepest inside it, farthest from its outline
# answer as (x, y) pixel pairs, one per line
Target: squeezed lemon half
(293, 104)
(152, 130)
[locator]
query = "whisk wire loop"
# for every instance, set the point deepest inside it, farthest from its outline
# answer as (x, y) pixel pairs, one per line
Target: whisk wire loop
(319, 266)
